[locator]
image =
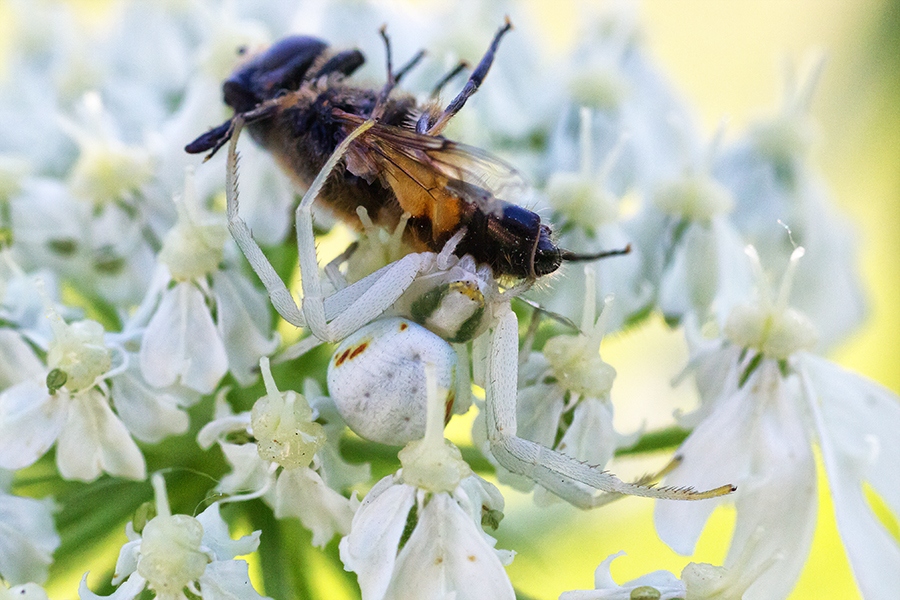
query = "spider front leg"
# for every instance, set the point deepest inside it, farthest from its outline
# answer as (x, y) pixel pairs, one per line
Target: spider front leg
(349, 308)
(280, 296)
(558, 472)
(373, 294)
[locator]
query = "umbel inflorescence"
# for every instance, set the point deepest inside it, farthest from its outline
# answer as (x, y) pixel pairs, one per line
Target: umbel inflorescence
(159, 368)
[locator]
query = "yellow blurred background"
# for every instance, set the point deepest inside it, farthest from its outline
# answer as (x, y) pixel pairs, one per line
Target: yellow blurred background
(726, 57)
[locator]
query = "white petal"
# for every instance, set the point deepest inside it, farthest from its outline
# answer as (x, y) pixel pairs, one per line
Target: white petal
(669, 586)
(716, 453)
(735, 279)
(757, 439)
(538, 412)
(210, 433)
(127, 591)
(478, 494)
(227, 580)
(827, 287)
(371, 548)
(723, 279)
(28, 539)
(337, 473)
(602, 575)
(249, 472)
(591, 436)
(862, 420)
(244, 322)
(26, 591)
(150, 414)
(685, 287)
(774, 471)
(219, 541)
(475, 496)
(94, 440)
(181, 342)
(30, 421)
(18, 361)
(858, 426)
(776, 519)
(224, 421)
(127, 562)
(446, 557)
(301, 493)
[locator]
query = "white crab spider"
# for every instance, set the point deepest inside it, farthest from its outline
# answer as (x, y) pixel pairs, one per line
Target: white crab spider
(346, 311)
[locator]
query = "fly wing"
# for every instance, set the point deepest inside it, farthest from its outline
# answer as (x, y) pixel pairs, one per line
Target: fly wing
(431, 176)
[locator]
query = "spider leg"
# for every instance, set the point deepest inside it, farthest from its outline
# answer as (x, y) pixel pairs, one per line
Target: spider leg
(558, 472)
(366, 299)
(357, 304)
(281, 297)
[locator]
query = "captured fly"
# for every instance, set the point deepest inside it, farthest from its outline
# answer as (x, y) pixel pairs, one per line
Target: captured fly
(298, 104)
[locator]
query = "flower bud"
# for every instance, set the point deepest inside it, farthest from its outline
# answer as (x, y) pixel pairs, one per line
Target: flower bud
(170, 553)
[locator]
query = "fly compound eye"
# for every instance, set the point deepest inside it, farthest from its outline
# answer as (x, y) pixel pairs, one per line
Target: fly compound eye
(281, 67)
(285, 63)
(376, 378)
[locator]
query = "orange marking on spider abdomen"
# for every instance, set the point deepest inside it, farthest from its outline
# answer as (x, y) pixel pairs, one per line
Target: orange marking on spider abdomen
(448, 407)
(358, 350)
(338, 361)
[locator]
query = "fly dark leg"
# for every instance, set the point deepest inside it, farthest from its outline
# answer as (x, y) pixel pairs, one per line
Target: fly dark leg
(215, 138)
(345, 62)
(475, 80)
(436, 90)
(408, 66)
(392, 78)
(433, 111)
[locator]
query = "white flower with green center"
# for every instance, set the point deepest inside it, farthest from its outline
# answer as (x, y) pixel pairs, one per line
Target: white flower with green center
(182, 342)
(771, 177)
(13, 169)
(697, 260)
(98, 250)
(418, 533)
(70, 407)
(590, 220)
(635, 107)
(23, 324)
(180, 557)
(283, 466)
(69, 401)
(766, 401)
(107, 170)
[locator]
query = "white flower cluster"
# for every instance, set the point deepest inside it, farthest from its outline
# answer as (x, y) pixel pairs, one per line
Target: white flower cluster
(133, 337)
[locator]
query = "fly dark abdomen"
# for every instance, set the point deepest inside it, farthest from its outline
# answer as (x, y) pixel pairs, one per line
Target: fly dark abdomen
(511, 240)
